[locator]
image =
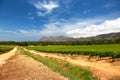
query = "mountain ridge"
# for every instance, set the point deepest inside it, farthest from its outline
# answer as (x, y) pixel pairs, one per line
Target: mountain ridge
(109, 36)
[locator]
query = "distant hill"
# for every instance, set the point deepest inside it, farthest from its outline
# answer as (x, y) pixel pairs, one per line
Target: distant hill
(109, 36)
(57, 38)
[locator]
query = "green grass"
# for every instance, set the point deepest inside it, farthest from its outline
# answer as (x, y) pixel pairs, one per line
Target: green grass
(63, 67)
(107, 50)
(4, 49)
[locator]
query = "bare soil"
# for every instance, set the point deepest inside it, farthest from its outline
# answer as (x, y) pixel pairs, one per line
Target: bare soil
(22, 67)
(102, 69)
(6, 56)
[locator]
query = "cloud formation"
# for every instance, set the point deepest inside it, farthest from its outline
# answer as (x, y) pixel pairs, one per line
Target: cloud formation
(71, 28)
(107, 26)
(80, 28)
(45, 7)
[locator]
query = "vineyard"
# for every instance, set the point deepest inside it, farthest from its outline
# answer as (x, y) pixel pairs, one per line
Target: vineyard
(4, 49)
(107, 50)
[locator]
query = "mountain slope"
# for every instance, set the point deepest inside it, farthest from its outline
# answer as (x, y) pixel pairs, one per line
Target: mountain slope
(109, 36)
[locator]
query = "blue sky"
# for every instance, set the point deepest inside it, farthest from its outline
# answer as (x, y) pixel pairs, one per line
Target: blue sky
(29, 20)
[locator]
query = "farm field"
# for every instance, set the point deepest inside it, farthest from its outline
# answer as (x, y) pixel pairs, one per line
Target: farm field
(4, 48)
(68, 67)
(60, 40)
(106, 50)
(103, 69)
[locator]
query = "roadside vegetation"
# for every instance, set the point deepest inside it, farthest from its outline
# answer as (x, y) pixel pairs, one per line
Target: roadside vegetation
(106, 50)
(6, 48)
(64, 68)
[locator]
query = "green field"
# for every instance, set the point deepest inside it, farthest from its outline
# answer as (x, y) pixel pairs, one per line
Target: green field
(107, 50)
(4, 49)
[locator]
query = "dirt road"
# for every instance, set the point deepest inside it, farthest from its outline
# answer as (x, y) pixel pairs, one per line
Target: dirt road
(102, 69)
(21, 67)
(7, 55)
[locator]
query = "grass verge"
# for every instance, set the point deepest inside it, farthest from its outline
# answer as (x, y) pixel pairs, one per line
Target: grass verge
(64, 68)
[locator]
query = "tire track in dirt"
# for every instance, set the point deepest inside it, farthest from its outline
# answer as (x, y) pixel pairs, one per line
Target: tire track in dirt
(22, 67)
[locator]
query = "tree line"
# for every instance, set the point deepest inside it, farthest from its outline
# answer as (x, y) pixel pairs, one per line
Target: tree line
(39, 43)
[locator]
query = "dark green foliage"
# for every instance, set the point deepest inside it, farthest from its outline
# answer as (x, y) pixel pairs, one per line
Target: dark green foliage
(37, 43)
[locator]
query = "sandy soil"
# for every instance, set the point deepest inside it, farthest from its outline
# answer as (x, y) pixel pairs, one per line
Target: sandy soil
(5, 56)
(102, 69)
(22, 67)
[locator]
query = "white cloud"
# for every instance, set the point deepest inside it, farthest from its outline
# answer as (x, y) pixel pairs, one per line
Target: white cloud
(78, 28)
(45, 7)
(58, 28)
(107, 26)
(72, 28)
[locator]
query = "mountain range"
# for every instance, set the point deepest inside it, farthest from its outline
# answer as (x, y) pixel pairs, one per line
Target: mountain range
(109, 36)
